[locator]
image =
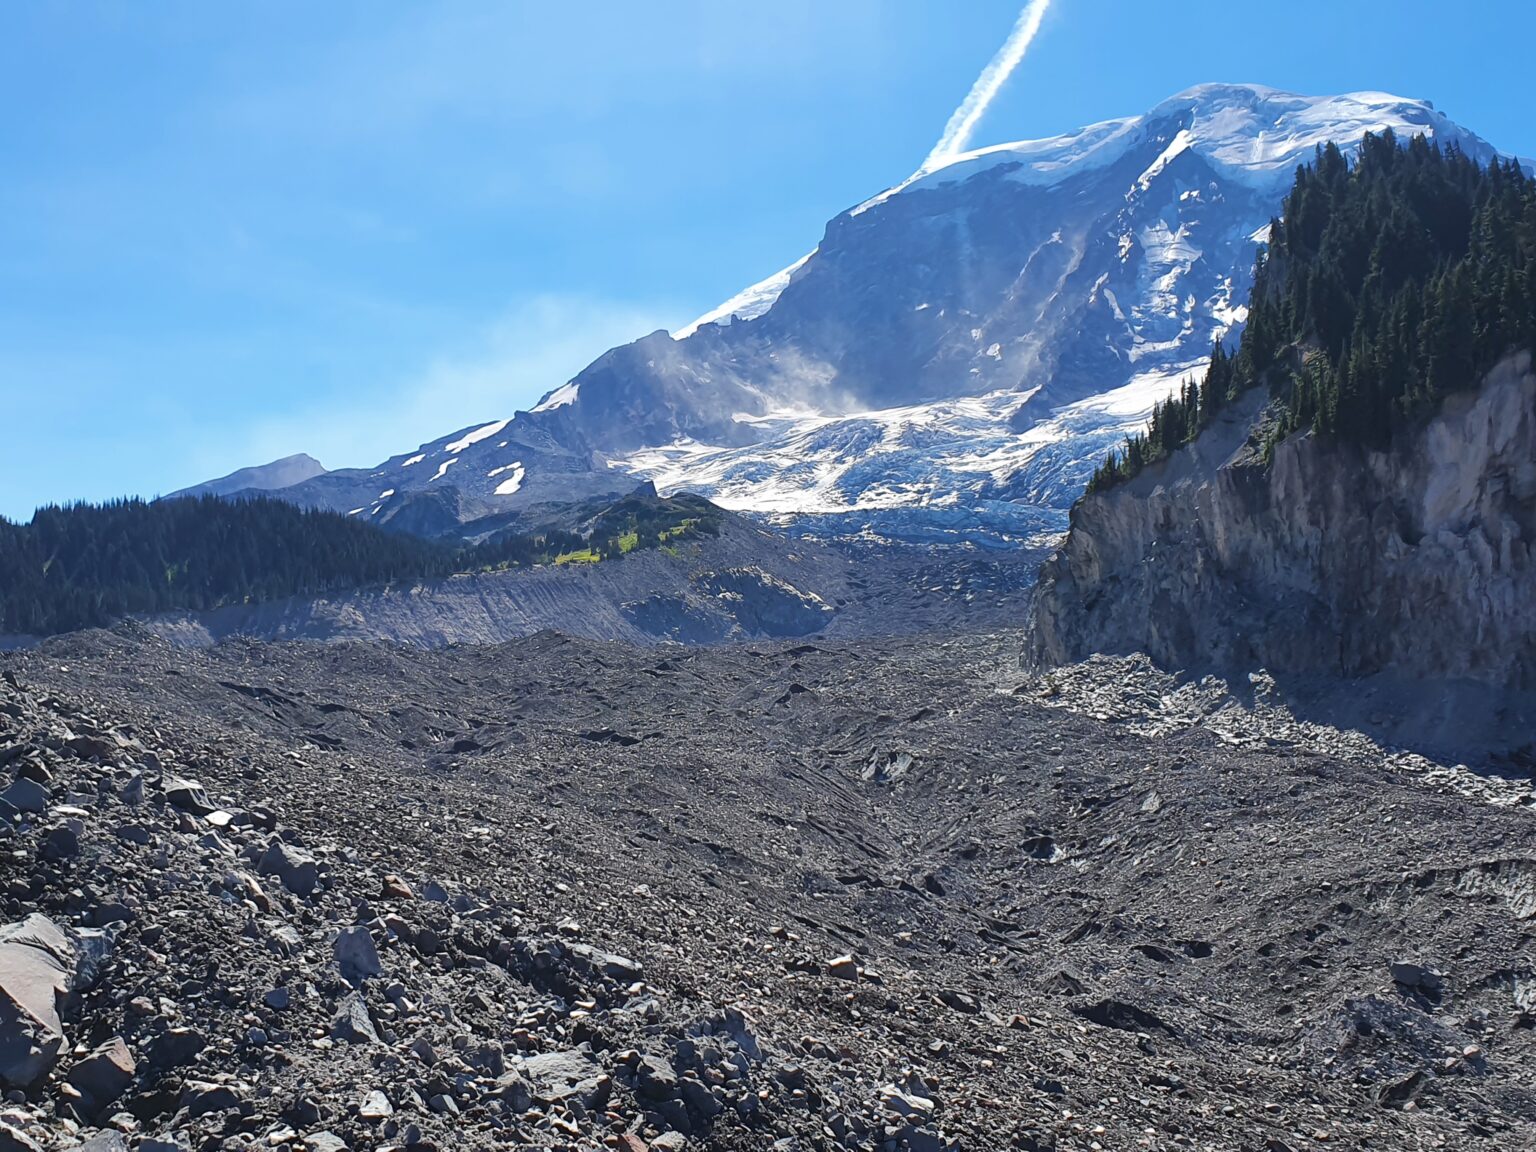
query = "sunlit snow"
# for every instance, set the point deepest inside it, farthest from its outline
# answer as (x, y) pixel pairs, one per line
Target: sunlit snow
(565, 394)
(913, 456)
(749, 304)
(512, 483)
(479, 434)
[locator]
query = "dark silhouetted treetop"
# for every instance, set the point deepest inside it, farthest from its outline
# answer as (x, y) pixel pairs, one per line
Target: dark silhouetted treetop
(87, 565)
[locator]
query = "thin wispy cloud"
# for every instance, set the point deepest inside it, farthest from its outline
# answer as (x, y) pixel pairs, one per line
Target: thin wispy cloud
(962, 125)
(538, 344)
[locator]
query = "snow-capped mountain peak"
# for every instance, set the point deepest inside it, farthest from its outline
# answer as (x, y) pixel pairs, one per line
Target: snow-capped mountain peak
(955, 353)
(1247, 132)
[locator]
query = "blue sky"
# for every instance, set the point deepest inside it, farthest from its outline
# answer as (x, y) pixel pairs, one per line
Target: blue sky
(232, 232)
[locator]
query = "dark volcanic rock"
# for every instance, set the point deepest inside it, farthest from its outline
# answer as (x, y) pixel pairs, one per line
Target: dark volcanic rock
(37, 964)
(1330, 559)
(103, 1076)
(1109, 909)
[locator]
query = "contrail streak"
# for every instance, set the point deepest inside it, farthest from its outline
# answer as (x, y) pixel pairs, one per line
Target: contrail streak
(957, 133)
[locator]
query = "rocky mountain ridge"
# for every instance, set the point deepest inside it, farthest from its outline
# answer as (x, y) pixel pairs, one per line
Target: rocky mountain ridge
(284, 473)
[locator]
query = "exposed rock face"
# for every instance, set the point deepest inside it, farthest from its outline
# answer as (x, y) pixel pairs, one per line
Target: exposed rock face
(1416, 561)
(746, 584)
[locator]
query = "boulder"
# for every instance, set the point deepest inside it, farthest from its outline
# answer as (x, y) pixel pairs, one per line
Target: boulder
(187, 795)
(199, 1098)
(960, 1001)
(15, 1140)
(397, 889)
(557, 1076)
(843, 967)
(176, 1048)
(356, 954)
(61, 843)
(103, 1076)
(435, 892)
(606, 963)
(37, 964)
(353, 1025)
(907, 1105)
(655, 1077)
(132, 834)
(26, 795)
(297, 870)
(1417, 977)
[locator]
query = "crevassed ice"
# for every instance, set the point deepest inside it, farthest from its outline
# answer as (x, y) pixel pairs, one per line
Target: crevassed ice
(947, 451)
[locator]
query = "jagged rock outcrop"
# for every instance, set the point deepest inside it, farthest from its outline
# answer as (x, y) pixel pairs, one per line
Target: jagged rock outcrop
(1333, 559)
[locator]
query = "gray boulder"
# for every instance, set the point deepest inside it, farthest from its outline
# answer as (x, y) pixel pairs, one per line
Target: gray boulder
(356, 955)
(557, 1076)
(188, 795)
(26, 795)
(297, 870)
(199, 1098)
(1418, 977)
(103, 1076)
(37, 964)
(353, 1025)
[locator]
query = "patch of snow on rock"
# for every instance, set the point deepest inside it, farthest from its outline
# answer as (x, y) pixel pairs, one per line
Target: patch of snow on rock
(483, 433)
(510, 485)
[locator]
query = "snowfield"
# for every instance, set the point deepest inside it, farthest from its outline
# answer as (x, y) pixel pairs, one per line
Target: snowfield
(952, 455)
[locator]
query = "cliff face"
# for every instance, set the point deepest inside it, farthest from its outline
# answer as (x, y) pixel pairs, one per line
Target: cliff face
(1415, 562)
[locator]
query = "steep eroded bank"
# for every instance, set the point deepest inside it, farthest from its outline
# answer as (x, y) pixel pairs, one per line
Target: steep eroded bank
(1332, 559)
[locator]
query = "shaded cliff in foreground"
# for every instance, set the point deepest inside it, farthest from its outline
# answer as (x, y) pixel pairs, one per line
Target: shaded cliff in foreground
(1333, 558)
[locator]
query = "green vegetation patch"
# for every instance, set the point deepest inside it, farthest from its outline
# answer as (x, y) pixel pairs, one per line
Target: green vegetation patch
(87, 565)
(1386, 286)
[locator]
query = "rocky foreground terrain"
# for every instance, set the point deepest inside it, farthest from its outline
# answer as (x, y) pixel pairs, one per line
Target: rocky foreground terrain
(807, 895)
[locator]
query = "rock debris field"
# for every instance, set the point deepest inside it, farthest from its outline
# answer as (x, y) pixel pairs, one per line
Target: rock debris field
(802, 896)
